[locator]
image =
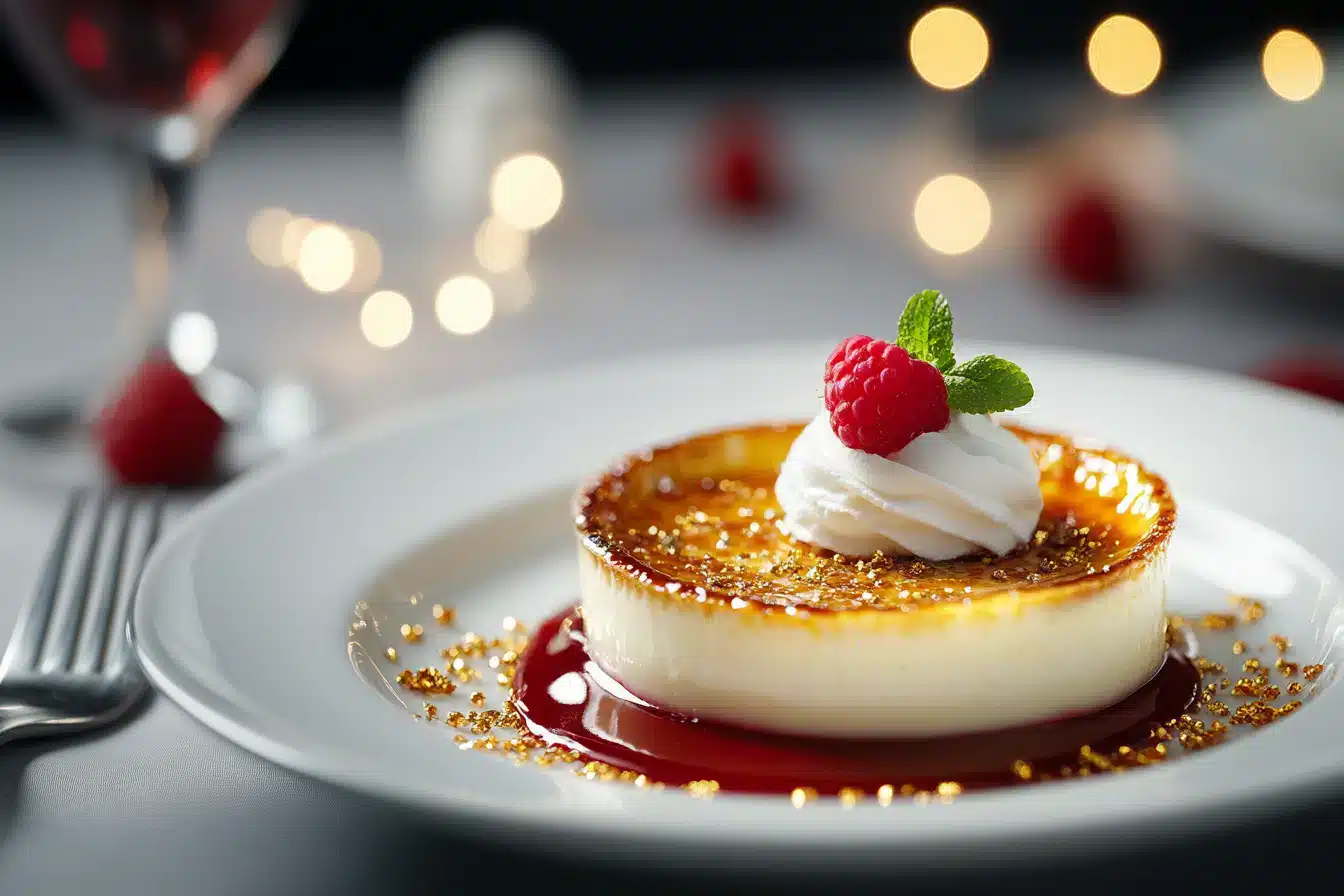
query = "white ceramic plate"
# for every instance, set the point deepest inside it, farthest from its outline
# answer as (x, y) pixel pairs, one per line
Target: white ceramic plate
(1262, 172)
(245, 614)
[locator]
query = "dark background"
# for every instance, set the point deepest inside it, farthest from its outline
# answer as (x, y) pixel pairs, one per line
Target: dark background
(350, 46)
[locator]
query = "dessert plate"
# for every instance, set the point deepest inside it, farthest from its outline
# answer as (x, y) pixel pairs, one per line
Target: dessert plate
(268, 613)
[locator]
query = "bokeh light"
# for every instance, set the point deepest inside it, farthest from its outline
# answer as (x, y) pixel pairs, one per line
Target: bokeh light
(526, 191)
(291, 238)
(177, 138)
(1124, 55)
(326, 259)
(368, 259)
(952, 214)
(192, 341)
(1293, 65)
(514, 291)
(464, 305)
(500, 246)
(949, 48)
(386, 318)
(265, 233)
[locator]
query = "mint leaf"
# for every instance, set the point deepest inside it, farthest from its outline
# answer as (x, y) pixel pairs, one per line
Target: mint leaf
(926, 329)
(987, 384)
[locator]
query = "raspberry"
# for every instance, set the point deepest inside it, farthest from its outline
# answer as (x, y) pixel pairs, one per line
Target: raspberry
(159, 431)
(880, 399)
(1086, 244)
(739, 176)
(1313, 374)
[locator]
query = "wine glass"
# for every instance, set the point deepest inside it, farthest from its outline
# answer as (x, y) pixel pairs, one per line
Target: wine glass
(155, 81)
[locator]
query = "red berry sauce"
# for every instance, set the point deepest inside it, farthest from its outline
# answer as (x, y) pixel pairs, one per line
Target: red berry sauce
(565, 700)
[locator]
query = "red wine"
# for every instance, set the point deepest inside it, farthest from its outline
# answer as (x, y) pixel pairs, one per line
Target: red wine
(154, 56)
(564, 700)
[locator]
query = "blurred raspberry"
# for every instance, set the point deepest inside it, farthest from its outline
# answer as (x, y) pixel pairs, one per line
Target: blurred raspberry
(1087, 245)
(160, 431)
(738, 164)
(1313, 374)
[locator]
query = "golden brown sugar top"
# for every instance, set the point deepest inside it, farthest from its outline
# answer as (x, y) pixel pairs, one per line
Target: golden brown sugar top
(699, 520)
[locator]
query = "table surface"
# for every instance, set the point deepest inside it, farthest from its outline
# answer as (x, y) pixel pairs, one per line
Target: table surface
(160, 804)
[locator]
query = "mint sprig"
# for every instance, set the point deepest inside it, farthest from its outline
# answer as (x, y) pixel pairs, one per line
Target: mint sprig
(926, 329)
(986, 384)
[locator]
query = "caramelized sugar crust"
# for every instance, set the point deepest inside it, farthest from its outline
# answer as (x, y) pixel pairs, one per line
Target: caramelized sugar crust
(698, 520)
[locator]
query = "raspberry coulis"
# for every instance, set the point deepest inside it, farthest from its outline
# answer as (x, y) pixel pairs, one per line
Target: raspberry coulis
(564, 699)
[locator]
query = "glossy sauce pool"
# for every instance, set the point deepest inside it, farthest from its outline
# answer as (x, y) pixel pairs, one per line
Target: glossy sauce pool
(565, 700)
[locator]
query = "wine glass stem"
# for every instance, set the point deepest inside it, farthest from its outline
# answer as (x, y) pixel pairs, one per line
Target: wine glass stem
(162, 220)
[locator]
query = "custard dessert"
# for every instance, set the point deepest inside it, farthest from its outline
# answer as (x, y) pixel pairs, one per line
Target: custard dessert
(901, 566)
(695, 600)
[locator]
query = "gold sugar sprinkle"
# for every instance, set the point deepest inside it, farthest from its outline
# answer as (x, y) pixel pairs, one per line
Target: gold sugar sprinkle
(801, 796)
(1238, 647)
(478, 699)
(427, 680)
(885, 793)
(391, 654)
(1313, 671)
(1252, 610)
(1218, 621)
(1022, 769)
(1280, 643)
(443, 615)
(703, 789)
(1295, 688)
(431, 711)
(849, 797)
(949, 788)
(412, 633)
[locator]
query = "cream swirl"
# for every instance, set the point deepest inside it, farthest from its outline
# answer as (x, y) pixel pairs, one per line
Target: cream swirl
(973, 486)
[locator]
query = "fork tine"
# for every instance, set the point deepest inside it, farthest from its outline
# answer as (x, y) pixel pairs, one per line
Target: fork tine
(26, 641)
(142, 530)
(81, 558)
(108, 567)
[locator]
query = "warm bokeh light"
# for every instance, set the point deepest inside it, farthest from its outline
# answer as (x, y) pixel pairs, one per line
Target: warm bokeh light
(526, 191)
(368, 259)
(1294, 66)
(514, 291)
(386, 318)
(1124, 55)
(949, 47)
(464, 305)
(326, 259)
(177, 138)
(500, 247)
(265, 232)
(952, 214)
(192, 341)
(292, 237)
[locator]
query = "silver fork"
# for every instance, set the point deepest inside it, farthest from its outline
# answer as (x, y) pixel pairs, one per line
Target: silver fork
(69, 665)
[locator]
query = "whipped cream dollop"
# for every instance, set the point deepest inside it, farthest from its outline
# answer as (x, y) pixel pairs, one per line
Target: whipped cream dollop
(973, 486)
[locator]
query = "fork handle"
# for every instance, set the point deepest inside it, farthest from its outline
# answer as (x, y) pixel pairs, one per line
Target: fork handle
(22, 721)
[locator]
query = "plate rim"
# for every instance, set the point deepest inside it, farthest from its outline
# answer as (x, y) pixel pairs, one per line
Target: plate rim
(781, 842)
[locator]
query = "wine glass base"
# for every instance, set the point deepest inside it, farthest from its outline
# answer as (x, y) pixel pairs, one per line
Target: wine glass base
(50, 422)
(45, 439)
